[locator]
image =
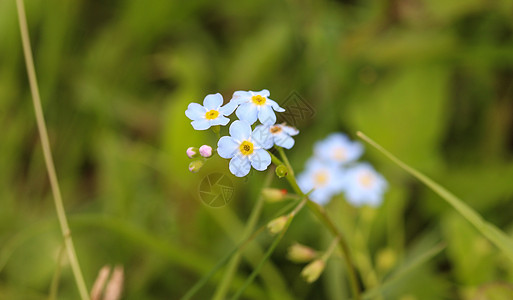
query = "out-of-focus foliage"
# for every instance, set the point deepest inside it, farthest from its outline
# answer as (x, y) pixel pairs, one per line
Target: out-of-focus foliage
(432, 81)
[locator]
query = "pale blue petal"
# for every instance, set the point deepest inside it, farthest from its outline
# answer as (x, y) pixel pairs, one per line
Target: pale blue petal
(266, 115)
(240, 165)
(247, 112)
(290, 130)
(240, 97)
(262, 137)
(275, 105)
(228, 109)
(264, 93)
(227, 147)
(202, 124)
(220, 120)
(283, 140)
(260, 159)
(195, 111)
(213, 101)
(240, 130)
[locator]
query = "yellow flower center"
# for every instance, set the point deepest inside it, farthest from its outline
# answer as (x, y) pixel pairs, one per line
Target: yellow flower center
(211, 114)
(258, 100)
(366, 179)
(339, 154)
(321, 178)
(275, 129)
(246, 148)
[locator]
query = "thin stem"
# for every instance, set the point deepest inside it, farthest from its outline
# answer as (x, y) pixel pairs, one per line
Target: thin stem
(320, 213)
(43, 134)
(234, 262)
(330, 250)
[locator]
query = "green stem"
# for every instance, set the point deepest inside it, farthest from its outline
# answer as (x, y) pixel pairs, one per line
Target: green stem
(47, 153)
(223, 287)
(320, 213)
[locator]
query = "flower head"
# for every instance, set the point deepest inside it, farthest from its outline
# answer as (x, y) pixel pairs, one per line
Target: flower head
(256, 105)
(364, 185)
(245, 152)
(278, 134)
(211, 113)
(338, 148)
(326, 180)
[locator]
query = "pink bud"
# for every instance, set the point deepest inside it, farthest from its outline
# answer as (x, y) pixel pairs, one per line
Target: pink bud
(192, 152)
(205, 151)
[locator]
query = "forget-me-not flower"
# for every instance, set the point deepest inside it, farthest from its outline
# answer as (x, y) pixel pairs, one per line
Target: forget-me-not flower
(211, 113)
(326, 179)
(364, 185)
(256, 105)
(338, 148)
(279, 135)
(243, 150)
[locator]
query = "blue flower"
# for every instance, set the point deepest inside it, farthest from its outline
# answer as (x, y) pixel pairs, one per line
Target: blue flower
(338, 148)
(243, 150)
(364, 185)
(279, 135)
(256, 105)
(211, 113)
(326, 180)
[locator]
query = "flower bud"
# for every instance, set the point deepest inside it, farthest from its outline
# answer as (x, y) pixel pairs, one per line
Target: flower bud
(282, 171)
(277, 225)
(313, 270)
(386, 259)
(274, 195)
(195, 166)
(192, 152)
(300, 253)
(205, 151)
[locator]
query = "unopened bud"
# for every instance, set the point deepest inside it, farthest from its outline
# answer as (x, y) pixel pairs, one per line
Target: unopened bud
(205, 151)
(300, 253)
(282, 171)
(386, 259)
(192, 152)
(313, 270)
(195, 166)
(274, 195)
(277, 225)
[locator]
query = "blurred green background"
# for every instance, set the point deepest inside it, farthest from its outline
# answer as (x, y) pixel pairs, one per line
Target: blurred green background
(432, 81)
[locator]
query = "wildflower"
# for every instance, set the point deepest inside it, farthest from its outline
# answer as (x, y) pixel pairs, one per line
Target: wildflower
(325, 179)
(313, 270)
(338, 148)
(205, 151)
(192, 152)
(300, 253)
(280, 134)
(243, 150)
(211, 113)
(364, 185)
(256, 105)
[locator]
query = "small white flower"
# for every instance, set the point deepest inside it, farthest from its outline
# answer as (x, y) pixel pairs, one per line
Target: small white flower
(243, 150)
(326, 179)
(279, 135)
(364, 185)
(212, 112)
(256, 105)
(338, 148)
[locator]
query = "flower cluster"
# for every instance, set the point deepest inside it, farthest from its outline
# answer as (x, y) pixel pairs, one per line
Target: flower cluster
(246, 147)
(334, 170)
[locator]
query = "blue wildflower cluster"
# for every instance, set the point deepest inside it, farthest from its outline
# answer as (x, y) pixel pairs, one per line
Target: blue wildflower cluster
(333, 170)
(245, 147)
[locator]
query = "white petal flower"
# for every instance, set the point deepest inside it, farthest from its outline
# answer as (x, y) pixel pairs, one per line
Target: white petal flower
(338, 148)
(212, 112)
(364, 185)
(245, 152)
(279, 135)
(256, 106)
(326, 179)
